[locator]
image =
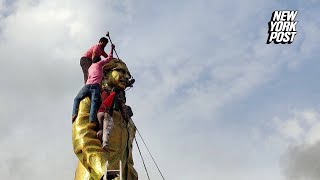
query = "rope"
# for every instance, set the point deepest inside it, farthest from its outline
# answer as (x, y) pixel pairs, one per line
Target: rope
(142, 159)
(128, 89)
(150, 154)
(147, 149)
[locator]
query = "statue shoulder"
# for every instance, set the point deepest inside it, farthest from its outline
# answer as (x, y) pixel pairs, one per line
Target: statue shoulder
(85, 104)
(128, 111)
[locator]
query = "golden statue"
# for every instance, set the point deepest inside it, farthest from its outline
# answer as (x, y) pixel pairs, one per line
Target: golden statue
(87, 143)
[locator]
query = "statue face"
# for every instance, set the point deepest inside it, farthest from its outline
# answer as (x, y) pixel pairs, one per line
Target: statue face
(118, 77)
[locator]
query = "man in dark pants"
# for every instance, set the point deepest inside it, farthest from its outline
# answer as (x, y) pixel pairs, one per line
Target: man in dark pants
(95, 50)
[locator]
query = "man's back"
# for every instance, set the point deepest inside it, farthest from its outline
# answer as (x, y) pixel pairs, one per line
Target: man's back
(95, 71)
(96, 50)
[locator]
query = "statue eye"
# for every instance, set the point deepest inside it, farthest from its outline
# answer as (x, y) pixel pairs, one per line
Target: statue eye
(121, 70)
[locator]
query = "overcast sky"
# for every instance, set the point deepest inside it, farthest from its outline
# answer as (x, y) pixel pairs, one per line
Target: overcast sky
(211, 99)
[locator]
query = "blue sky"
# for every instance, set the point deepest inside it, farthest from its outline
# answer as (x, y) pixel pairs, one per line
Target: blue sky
(211, 98)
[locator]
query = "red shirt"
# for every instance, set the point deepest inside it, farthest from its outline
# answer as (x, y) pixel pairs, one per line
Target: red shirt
(104, 96)
(97, 49)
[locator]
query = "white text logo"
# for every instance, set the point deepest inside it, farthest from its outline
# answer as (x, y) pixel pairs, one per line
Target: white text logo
(282, 27)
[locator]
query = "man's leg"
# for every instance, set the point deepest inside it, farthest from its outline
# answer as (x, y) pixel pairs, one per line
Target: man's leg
(85, 63)
(85, 91)
(95, 103)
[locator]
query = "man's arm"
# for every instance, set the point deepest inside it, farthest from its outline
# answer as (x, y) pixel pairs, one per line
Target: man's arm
(105, 61)
(104, 54)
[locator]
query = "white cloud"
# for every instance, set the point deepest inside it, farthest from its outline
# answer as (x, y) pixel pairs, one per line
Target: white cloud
(299, 134)
(289, 129)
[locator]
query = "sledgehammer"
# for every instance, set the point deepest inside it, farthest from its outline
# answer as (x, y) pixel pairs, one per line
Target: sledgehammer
(108, 35)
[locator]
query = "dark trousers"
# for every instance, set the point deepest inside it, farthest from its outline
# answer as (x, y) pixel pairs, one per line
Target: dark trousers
(85, 63)
(93, 91)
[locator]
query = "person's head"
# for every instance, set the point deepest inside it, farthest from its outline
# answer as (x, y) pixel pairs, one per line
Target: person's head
(96, 59)
(103, 42)
(116, 74)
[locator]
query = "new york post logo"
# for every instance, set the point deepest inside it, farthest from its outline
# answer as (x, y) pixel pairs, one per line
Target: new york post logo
(282, 27)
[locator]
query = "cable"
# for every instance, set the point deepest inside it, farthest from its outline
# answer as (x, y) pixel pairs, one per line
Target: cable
(150, 154)
(128, 89)
(142, 159)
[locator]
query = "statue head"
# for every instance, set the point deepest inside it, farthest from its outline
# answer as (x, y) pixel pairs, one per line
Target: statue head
(116, 74)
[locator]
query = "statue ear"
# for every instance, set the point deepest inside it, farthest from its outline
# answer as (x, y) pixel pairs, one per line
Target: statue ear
(107, 78)
(128, 111)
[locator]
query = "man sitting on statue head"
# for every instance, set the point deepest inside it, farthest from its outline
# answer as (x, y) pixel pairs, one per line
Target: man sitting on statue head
(92, 87)
(93, 51)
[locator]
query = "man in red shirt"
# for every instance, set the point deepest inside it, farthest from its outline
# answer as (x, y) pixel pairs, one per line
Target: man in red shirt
(93, 51)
